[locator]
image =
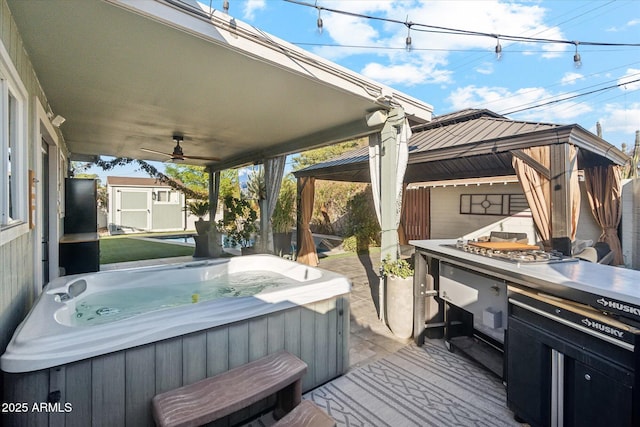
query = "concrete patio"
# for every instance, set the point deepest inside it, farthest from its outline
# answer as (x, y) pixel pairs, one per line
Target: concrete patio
(370, 339)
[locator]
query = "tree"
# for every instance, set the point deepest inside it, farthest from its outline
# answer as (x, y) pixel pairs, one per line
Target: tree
(256, 186)
(631, 169)
(193, 177)
(229, 183)
(331, 197)
(103, 195)
(197, 178)
(322, 154)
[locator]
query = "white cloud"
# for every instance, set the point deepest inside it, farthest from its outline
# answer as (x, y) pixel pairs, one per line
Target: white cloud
(485, 68)
(626, 26)
(406, 74)
(503, 100)
(251, 7)
(571, 78)
(619, 118)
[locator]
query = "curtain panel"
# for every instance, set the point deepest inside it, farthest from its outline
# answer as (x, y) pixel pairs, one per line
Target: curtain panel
(273, 172)
(576, 197)
(536, 188)
(604, 188)
(375, 160)
(307, 250)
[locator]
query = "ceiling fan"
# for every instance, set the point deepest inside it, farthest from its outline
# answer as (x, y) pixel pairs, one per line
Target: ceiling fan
(177, 154)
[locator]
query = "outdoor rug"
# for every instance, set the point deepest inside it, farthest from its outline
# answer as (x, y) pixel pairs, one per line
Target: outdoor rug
(416, 386)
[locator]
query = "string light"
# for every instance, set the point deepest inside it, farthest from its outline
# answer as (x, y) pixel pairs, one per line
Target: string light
(225, 6)
(407, 41)
(498, 49)
(319, 21)
(454, 31)
(577, 60)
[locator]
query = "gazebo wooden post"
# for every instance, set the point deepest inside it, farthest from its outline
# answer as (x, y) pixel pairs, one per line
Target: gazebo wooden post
(298, 215)
(305, 246)
(214, 248)
(562, 168)
(214, 191)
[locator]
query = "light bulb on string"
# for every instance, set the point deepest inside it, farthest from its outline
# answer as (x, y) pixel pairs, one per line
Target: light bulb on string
(498, 49)
(225, 6)
(577, 60)
(407, 41)
(319, 22)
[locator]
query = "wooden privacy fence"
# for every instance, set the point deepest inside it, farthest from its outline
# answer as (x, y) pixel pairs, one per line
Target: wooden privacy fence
(415, 214)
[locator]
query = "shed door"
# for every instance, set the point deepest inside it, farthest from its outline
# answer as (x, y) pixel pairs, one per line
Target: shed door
(133, 209)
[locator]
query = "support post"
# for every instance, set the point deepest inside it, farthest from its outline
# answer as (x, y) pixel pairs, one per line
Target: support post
(387, 179)
(561, 170)
(388, 170)
(214, 245)
(298, 216)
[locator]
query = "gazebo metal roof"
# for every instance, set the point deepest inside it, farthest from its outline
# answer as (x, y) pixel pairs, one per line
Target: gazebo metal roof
(470, 144)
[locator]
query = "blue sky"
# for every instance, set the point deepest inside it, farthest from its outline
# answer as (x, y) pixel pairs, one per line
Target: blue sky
(453, 72)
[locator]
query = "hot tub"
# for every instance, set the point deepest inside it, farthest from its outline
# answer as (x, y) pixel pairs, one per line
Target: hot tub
(105, 343)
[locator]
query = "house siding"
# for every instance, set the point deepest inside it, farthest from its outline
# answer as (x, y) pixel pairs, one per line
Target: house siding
(17, 257)
(447, 222)
(16, 285)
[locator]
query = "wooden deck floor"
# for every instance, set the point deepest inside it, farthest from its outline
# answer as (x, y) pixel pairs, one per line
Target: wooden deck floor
(392, 382)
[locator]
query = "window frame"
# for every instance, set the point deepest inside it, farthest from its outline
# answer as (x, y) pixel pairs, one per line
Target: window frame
(169, 192)
(11, 84)
(509, 205)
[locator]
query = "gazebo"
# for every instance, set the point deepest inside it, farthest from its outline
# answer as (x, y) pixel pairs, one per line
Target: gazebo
(478, 143)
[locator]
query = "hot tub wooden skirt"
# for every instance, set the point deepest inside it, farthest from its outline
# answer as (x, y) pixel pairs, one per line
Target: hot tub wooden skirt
(117, 388)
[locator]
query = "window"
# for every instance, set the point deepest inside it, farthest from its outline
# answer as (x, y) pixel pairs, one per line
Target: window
(13, 152)
(11, 142)
(492, 204)
(167, 196)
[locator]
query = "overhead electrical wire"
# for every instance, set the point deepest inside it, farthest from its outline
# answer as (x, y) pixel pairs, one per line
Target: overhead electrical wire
(555, 101)
(581, 89)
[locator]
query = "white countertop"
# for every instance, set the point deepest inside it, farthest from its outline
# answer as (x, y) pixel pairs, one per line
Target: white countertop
(603, 280)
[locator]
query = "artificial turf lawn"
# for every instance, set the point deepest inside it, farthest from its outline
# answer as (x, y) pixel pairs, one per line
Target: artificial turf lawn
(122, 249)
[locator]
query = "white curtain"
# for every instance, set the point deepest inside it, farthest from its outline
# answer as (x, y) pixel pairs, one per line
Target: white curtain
(375, 160)
(273, 172)
(374, 171)
(388, 156)
(403, 158)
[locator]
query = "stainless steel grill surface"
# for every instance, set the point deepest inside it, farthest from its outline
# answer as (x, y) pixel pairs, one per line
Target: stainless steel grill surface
(518, 256)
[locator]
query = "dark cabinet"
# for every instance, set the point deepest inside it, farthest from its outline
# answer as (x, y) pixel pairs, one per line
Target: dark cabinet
(528, 375)
(559, 373)
(595, 399)
(80, 246)
(80, 206)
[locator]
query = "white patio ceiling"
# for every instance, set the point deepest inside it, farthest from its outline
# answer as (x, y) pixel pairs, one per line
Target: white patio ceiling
(128, 74)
